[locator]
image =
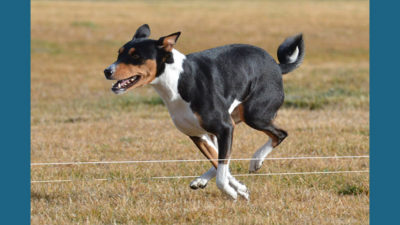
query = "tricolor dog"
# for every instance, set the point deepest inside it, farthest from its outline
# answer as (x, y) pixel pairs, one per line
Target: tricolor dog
(208, 92)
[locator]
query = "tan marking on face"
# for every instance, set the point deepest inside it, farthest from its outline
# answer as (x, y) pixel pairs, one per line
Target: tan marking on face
(146, 71)
(207, 150)
(121, 50)
(131, 50)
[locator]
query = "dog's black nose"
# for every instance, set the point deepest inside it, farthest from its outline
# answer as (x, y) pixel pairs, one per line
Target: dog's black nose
(108, 73)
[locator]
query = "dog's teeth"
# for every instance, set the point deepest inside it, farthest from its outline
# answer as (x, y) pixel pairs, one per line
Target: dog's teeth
(132, 79)
(119, 85)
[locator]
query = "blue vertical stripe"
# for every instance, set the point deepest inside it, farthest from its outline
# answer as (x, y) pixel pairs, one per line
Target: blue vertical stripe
(385, 111)
(15, 112)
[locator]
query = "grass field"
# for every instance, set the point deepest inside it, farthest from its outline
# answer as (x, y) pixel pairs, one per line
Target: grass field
(75, 116)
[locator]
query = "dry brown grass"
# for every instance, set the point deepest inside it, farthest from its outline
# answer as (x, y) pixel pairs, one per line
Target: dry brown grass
(75, 117)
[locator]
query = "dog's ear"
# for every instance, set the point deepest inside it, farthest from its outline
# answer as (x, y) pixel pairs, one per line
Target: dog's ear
(167, 42)
(142, 32)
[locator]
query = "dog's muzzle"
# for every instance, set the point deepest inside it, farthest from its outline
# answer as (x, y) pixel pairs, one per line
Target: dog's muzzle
(108, 72)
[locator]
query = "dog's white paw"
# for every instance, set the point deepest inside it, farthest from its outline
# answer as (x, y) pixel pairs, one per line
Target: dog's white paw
(255, 165)
(259, 156)
(229, 190)
(198, 183)
(244, 193)
(240, 188)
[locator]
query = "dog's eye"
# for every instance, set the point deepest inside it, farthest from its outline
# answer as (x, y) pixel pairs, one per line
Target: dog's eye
(135, 56)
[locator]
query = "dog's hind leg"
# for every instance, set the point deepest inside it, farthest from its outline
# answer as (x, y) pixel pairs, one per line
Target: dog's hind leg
(276, 137)
(259, 156)
(259, 113)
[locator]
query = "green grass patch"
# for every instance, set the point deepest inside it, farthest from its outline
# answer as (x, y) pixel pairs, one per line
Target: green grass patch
(85, 24)
(352, 189)
(128, 101)
(45, 47)
(75, 120)
(318, 99)
(321, 87)
(237, 167)
(126, 140)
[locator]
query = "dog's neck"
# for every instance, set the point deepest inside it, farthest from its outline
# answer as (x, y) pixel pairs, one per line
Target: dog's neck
(166, 84)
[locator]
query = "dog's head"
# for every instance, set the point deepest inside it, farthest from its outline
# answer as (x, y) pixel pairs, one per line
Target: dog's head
(140, 60)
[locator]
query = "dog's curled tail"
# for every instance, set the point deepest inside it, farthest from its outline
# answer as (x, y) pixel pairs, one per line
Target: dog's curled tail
(291, 53)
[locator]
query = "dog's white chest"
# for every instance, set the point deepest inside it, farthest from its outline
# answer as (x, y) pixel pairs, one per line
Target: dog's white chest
(166, 86)
(184, 118)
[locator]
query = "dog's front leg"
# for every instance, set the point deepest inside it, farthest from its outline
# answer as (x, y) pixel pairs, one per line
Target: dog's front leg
(224, 136)
(218, 156)
(202, 181)
(208, 148)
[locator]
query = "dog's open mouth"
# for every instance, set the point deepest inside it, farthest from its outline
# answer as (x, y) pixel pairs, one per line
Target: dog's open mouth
(122, 85)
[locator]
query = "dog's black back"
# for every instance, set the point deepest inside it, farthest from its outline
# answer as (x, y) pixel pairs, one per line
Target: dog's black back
(214, 78)
(226, 73)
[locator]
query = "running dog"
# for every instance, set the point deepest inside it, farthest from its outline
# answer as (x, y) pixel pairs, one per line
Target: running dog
(208, 92)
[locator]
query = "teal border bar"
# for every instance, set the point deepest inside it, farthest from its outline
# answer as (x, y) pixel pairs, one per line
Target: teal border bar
(15, 112)
(385, 111)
